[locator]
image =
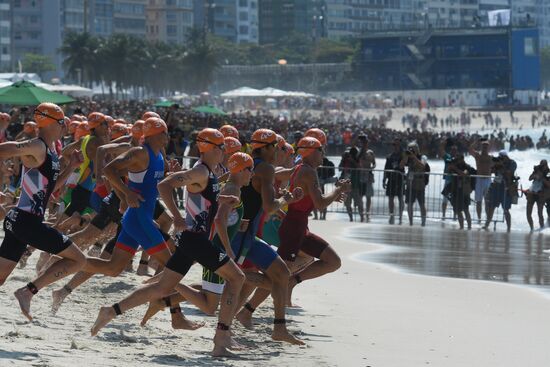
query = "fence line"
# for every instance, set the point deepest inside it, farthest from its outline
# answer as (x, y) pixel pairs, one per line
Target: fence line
(378, 184)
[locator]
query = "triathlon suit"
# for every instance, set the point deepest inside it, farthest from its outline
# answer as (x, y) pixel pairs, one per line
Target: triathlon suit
(81, 194)
(211, 281)
(24, 225)
(294, 234)
(269, 230)
(245, 244)
(138, 227)
(194, 243)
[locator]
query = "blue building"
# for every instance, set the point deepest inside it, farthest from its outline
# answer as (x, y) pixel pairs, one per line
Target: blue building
(502, 58)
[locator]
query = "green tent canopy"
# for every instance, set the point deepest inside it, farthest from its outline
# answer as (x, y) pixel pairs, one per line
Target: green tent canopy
(164, 104)
(209, 109)
(25, 93)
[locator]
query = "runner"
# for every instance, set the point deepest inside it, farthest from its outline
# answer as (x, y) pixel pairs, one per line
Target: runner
(24, 224)
(259, 197)
(193, 243)
(293, 232)
(226, 224)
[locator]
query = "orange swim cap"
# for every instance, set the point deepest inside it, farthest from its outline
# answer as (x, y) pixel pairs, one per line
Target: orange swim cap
(154, 126)
(95, 119)
(82, 130)
(262, 137)
(137, 129)
(30, 127)
(118, 130)
(232, 145)
(307, 146)
(48, 113)
(317, 134)
(229, 130)
(148, 114)
(208, 139)
(239, 162)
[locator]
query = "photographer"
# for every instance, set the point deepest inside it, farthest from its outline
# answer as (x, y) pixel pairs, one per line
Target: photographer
(416, 181)
(537, 192)
(393, 179)
(503, 190)
(462, 184)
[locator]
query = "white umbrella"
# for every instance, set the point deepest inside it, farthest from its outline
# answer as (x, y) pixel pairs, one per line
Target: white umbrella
(242, 92)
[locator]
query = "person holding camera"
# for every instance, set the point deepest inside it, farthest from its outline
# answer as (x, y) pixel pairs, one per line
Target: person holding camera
(503, 190)
(537, 192)
(393, 180)
(416, 181)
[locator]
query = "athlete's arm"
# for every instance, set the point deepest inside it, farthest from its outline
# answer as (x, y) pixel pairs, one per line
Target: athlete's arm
(283, 174)
(74, 162)
(134, 160)
(29, 148)
(266, 175)
(196, 177)
(310, 181)
(220, 221)
(112, 149)
(67, 150)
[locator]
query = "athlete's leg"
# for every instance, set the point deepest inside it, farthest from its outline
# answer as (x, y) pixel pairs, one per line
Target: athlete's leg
(149, 292)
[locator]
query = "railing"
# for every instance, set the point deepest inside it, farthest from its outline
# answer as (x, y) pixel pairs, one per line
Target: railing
(370, 184)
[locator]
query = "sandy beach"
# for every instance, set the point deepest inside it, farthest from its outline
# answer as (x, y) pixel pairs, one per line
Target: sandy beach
(363, 315)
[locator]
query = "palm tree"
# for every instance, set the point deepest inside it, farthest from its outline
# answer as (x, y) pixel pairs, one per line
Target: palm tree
(81, 54)
(200, 63)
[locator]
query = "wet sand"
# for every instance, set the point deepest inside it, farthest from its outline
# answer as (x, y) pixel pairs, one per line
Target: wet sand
(516, 257)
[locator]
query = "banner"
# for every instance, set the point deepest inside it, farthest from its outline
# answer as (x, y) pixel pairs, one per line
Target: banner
(499, 18)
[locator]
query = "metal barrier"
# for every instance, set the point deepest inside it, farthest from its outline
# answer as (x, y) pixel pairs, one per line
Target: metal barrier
(400, 185)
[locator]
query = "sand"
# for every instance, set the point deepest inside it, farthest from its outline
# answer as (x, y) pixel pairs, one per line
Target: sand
(363, 315)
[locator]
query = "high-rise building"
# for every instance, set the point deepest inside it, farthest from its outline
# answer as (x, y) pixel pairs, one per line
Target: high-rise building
(168, 20)
(129, 17)
(234, 20)
(281, 18)
(354, 18)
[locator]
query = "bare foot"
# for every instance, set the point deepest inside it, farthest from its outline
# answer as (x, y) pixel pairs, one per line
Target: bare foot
(58, 296)
(281, 334)
(106, 314)
(235, 345)
(24, 297)
(222, 341)
(143, 270)
(182, 323)
(245, 318)
(154, 308)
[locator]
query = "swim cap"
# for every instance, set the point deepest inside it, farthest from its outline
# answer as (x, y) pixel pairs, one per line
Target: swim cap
(229, 130)
(307, 146)
(262, 137)
(239, 161)
(154, 126)
(137, 129)
(208, 139)
(83, 129)
(95, 119)
(317, 134)
(118, 130)
(48, 113)
(232, 145)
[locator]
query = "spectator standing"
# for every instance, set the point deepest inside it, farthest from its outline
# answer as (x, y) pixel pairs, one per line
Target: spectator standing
(393, 180)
